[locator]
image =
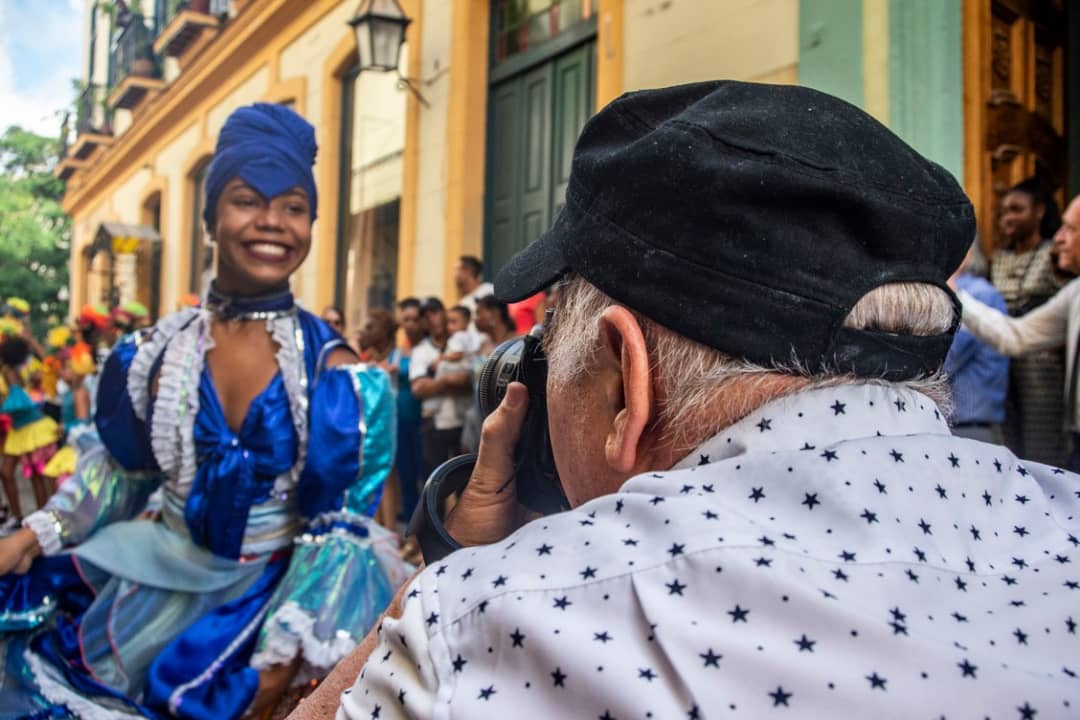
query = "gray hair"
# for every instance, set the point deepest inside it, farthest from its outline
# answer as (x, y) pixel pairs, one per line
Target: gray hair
(701, 390)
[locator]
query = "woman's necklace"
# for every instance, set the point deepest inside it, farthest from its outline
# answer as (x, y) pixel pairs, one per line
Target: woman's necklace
(269, 306)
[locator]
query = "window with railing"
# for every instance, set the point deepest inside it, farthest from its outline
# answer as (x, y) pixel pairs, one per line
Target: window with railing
(519, 25)
(91, 114)
(132, 50)
(219, 8)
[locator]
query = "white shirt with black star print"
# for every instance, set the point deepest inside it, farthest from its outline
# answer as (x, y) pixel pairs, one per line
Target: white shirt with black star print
(835, 554)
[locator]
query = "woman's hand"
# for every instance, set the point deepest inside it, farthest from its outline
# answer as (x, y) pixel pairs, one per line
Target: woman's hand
(17, 552)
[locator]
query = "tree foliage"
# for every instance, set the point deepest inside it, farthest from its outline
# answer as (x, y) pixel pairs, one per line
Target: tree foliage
(35, 233)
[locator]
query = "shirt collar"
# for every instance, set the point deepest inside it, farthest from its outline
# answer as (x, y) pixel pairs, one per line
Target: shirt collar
(821, 417)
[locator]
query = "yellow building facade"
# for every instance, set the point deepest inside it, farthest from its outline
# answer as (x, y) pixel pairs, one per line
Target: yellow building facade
(469, 154)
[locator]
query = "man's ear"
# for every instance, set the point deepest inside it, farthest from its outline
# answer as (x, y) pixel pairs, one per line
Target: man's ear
(632, 396)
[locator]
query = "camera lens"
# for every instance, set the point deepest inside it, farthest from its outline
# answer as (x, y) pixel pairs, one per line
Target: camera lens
(501, 369)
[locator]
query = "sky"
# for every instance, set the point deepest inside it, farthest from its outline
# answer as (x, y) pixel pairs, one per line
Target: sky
(40, 56)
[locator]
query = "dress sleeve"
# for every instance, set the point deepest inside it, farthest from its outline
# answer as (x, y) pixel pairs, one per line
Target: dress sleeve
(1041, 329)
(121, 427)
(352, 431)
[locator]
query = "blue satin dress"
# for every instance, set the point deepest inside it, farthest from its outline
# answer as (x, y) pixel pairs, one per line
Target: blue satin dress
(264, 549)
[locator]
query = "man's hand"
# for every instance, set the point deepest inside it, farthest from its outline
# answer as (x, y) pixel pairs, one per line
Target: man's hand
(488, 509)
(17, 552)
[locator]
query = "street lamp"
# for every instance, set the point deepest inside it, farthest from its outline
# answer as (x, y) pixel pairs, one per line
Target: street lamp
(380, 32)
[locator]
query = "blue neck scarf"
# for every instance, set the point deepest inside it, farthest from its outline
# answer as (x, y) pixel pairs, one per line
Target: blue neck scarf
(270, 148)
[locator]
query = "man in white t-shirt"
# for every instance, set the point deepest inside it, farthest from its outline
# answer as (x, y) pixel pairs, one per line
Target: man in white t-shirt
(440, 434)
(469, 280)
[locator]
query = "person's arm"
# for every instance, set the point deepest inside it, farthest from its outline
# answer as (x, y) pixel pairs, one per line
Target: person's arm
(1041, 329)
(963, 351)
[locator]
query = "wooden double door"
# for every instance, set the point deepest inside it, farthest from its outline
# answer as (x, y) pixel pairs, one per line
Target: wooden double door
(535, 118)
(1015, 100)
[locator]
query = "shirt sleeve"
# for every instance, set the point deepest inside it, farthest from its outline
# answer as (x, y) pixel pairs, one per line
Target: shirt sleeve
(399, 679)
(122, 431)
(419, 363)
(1041, 329)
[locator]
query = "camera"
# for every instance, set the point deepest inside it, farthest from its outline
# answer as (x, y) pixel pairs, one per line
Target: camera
(519, 359)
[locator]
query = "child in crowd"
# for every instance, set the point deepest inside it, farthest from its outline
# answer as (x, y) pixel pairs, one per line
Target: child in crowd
(457, 357)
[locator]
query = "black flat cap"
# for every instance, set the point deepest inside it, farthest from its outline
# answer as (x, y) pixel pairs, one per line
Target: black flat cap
(752, 218)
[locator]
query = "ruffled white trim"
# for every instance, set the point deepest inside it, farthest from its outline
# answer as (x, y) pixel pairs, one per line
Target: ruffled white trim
(286, 332)
(150, 348)
(47, 527)
(56, 692)
(291, 631)
(177, 401)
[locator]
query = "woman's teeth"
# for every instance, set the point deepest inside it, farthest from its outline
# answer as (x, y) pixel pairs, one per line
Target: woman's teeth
(268, 249)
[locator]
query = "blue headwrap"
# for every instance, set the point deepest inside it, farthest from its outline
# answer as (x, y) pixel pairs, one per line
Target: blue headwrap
(269, 147)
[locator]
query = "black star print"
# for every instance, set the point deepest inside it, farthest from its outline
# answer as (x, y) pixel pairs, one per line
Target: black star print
(692, 713)
(486, 693)
(870, 517)
(1070, 624)
(808, 446)
(618, 506)
(967, 668)
(629, 541)
(441, 570)
(482, 607)
(378, 708)
(766, 541)
(602, 637)
(919, 554)
(559, 678)
(459, 663)
(954, 461)
(707, 488)
(1061, 559)
(1019, 562)
(880, 487)
(987, 498)
(1026, 712)
(387, 655)
(847, 556)
(897, 628)
(1073, 539)
(829, 455)
(901, 406)
(544, 549)
(975, 534)
(1022, 470)
(970, 565)
(811, 500)
(877, 682)
(960, 584)
(433, 618)
(997, 465)
(1072, 584)
(676, 549)
(779, 697)
(703, 460)
(959, 618)
(838, 408)
(414, 593)
(467, 574)
(941, 492)
(1021, 636)
(686, 489)
(646, 674)
(607, 716)
(756, 494)
(1057, 471)
(499, 581)
(562, 603)
(518, 638)
(738, 614)
(1022, 499)
(764, 425)
(401, 696)
(675, 587)
(840, 574)
(898, 615)
(913, 577)
(656, 500)
(805, 644)
(763, 562)
(897, 456)
(1020, 530)
(711, 659)
(710, 515)
(1008, 580)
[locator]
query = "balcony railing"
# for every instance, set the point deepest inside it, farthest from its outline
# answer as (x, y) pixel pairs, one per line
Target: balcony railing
(185, 23)
(132, 52)
(91, 115)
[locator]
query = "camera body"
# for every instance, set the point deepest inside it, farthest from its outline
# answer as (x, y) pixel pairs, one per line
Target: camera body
(522, 359)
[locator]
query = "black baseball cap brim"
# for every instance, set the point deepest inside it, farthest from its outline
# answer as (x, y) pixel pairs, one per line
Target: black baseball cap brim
(535, 268)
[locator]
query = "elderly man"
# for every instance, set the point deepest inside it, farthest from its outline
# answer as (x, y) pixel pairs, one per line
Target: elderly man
(769, 514)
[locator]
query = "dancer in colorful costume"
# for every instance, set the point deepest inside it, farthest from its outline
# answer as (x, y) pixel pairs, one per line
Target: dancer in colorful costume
(270, 444)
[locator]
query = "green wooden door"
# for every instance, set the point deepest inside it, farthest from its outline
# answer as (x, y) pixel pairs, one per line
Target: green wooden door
(534, 120)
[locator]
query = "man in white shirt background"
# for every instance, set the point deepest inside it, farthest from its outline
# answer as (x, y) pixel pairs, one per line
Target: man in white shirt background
(769, 515)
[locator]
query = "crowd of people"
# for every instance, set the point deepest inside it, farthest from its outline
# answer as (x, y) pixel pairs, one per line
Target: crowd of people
(434, 354)
(48, 390)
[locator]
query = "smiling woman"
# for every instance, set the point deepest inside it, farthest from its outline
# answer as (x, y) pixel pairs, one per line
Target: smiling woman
(271, 444)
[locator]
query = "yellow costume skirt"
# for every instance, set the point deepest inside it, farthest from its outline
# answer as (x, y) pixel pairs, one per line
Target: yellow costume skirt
(38, 434)
(62, 463)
